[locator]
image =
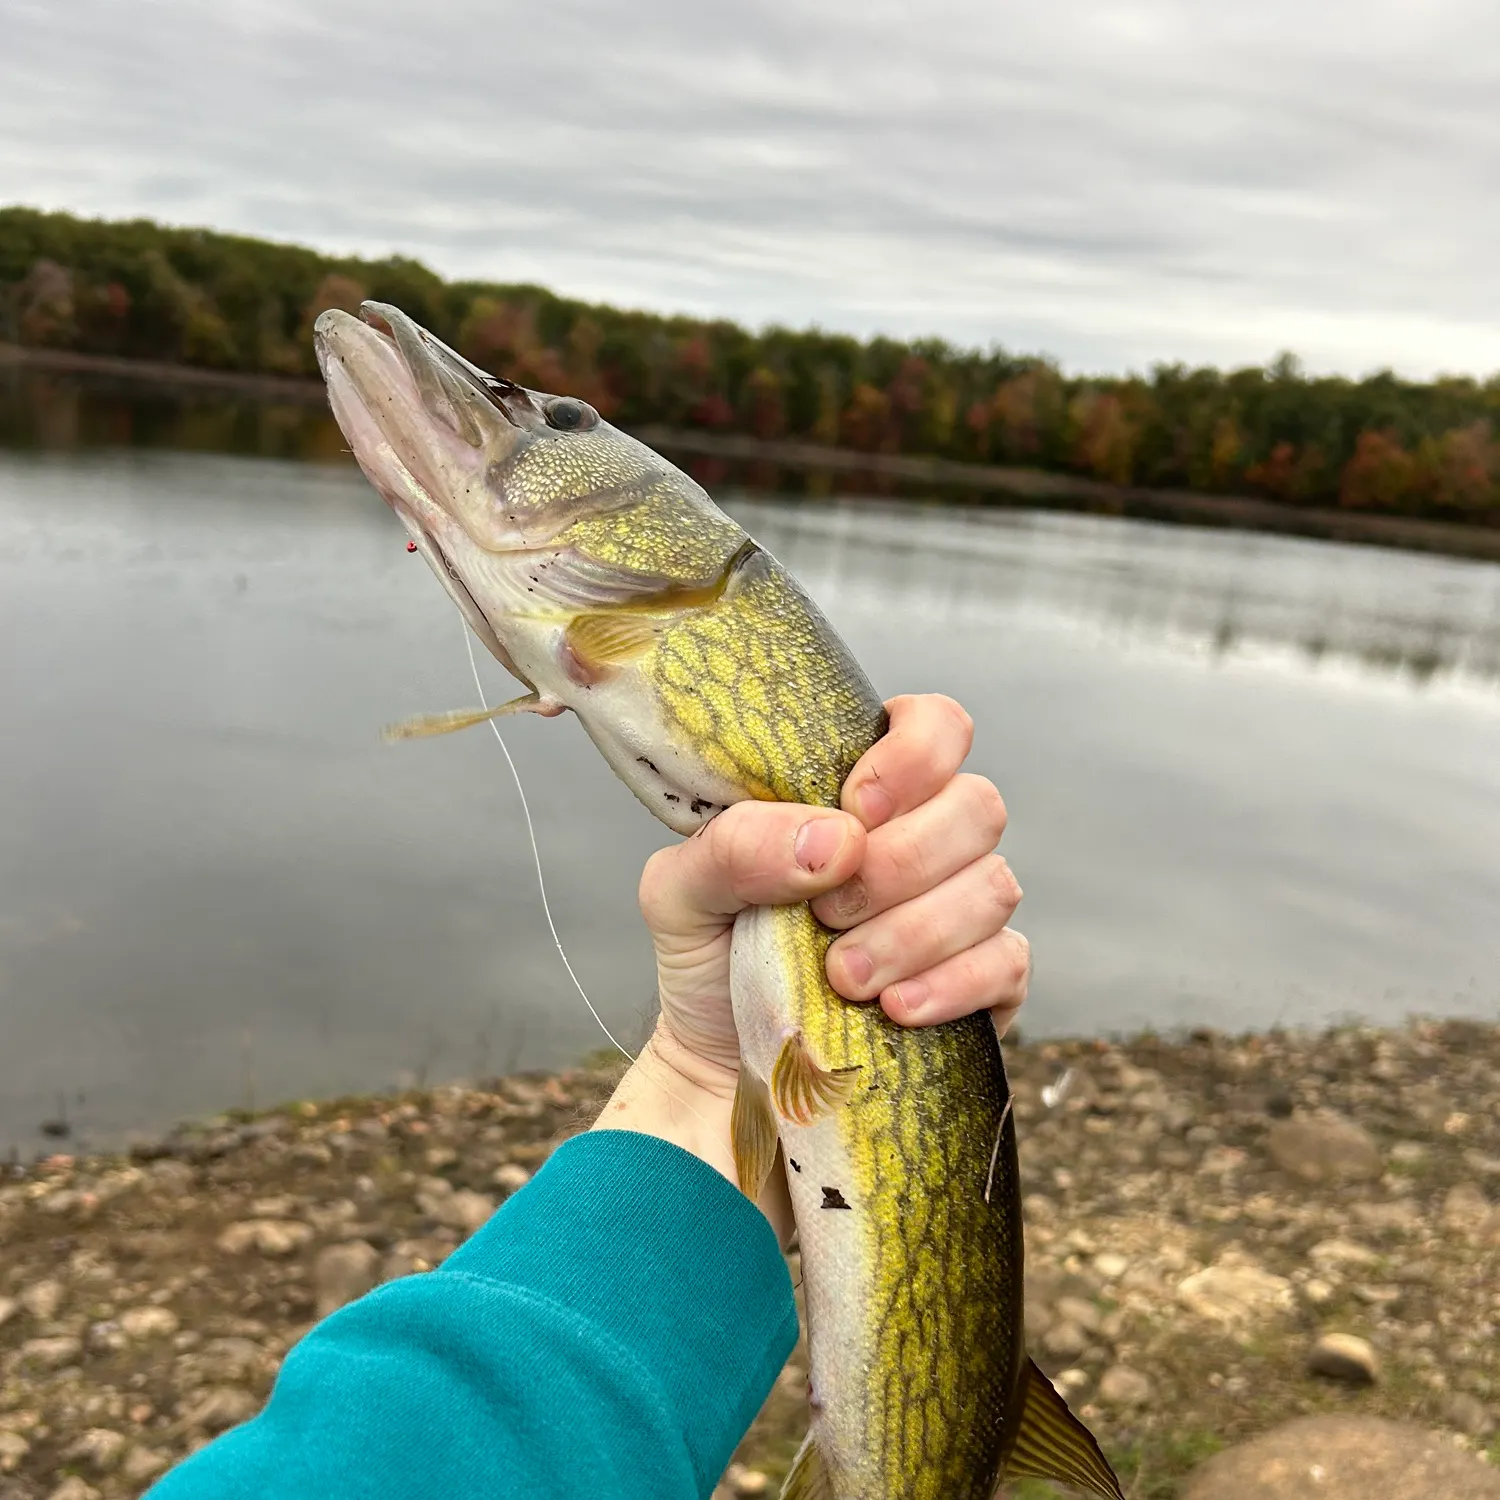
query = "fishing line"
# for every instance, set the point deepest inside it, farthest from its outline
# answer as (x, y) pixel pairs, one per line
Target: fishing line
(536, 853)
(541, 881)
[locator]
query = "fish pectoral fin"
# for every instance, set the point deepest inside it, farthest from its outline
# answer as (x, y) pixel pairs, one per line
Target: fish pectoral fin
(425, 725)
(610, 638)
(802, 1089)
(1053, 1444)
(752, 1134)
(808, 1477)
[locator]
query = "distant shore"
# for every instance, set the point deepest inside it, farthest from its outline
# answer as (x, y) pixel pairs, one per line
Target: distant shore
(996, 482)
(1201, 1213)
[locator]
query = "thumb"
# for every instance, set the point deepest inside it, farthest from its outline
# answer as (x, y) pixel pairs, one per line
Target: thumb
(752, 854)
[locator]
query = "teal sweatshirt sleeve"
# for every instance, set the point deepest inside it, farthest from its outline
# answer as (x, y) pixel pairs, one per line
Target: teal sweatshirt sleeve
(611, 1332)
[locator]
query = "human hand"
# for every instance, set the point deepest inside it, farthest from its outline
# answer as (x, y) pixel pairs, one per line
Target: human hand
(906, 873)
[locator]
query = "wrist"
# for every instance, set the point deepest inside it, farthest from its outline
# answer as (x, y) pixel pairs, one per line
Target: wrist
(673, 1093)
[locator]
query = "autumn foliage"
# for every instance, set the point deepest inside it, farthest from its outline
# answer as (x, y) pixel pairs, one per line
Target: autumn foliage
(227, 302)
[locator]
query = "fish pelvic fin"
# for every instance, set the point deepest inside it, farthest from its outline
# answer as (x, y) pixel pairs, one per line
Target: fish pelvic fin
(802, 1089)
(808, 1478)
(426, 725)
(752, 1134)
(1053, 1444)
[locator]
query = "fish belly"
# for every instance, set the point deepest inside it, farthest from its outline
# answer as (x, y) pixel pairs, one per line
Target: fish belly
(908, 1217)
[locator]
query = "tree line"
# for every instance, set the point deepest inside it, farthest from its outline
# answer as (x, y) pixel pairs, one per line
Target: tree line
(229, 302)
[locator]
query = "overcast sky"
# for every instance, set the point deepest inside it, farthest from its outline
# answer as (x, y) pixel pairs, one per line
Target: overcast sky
(1112, 183)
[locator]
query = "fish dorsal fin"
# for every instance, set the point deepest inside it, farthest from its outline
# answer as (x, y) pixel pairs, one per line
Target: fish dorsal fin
(802, 1089)
(752, 1134)
(1053, 1444)
(610, 638)
(808, 1479)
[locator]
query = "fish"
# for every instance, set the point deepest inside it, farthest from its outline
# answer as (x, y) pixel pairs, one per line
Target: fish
(609, 584)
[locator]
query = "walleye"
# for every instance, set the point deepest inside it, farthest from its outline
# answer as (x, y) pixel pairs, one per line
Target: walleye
(609, 583)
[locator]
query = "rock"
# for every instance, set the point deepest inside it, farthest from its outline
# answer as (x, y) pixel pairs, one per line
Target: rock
(13, 1448)
(1465, 1208)
(216, 1408)
(149, 1322)
(51, 1354)
(1122, 1386)
(143, 1464)
(1111, 1266)
(1235, 1294)
(1077, 1310)
(1065, 1340)
(462, 1210)
(269, 1236)
(1343, 1356)
(100, 1448)
(1071, 1382)
(343, 1272)
(9, 1307)
(1343, 1458)
(1317, 1291)
(74, 1488)
(1341, 1253)
(746, 1483)
(1324, 1147)
(1467, 1414)
(438, 1157)
(42, 1299)
(511, 1176)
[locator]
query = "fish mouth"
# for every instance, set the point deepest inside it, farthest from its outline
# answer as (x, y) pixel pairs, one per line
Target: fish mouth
(425, 425)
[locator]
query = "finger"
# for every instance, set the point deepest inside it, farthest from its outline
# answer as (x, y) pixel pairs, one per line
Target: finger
(752, 854)
(912, 854)
(993, 975)
(909, 939)
(928, 739)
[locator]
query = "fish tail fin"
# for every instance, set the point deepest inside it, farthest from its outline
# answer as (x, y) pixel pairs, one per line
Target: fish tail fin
(1053, 1444)
(808, 1478)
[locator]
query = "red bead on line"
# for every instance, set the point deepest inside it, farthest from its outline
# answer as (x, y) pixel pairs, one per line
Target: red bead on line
(411, 546)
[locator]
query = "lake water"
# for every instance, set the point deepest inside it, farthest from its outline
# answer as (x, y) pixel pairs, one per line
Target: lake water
(1252, 781)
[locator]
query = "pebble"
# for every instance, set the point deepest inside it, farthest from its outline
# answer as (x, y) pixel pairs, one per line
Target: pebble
(463, 1210)
(1110, 1265)
(74, 1488)
(1072, 1382)
(1080, 1311)
(1122, 1386)
(1468, 1414)
(1324, 1147)
(1344, 1356)
(275, 1237)
(101, 1448)
(149, 1322)
(510, 1176)
(746, 1483)
(43, 1299)
(9, 1307)
(13, 1448)
(1464, 1208)
(343, 1272)
(143, 1465)
(1234, 1294)
(51, 1354)
(216, 1408)
(1065, 1340)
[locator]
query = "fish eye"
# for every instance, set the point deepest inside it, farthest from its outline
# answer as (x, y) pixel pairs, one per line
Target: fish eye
(568, 414)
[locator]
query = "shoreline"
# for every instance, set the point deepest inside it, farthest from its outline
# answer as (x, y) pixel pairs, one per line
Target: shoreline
(1199, 1213)
(1032, 487)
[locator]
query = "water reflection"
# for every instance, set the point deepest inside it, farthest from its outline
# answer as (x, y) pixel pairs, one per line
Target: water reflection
(1304, 604)
(1251, 780)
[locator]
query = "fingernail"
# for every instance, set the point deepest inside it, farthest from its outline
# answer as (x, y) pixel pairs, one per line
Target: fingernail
(909, 995)
(817, 841)
(858, 965)
(875, 804)
(849, 899)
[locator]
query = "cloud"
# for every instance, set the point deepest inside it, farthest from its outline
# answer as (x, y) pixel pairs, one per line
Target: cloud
(1115, 183)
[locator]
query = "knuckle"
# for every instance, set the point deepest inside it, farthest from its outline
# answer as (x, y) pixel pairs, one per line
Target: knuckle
(656, 878)
(1020, 961)
(957, 720)
(1004, 889)
(907, 861)
(989, 805)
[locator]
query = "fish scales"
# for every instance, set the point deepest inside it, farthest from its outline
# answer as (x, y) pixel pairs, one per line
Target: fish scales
(610, 584)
